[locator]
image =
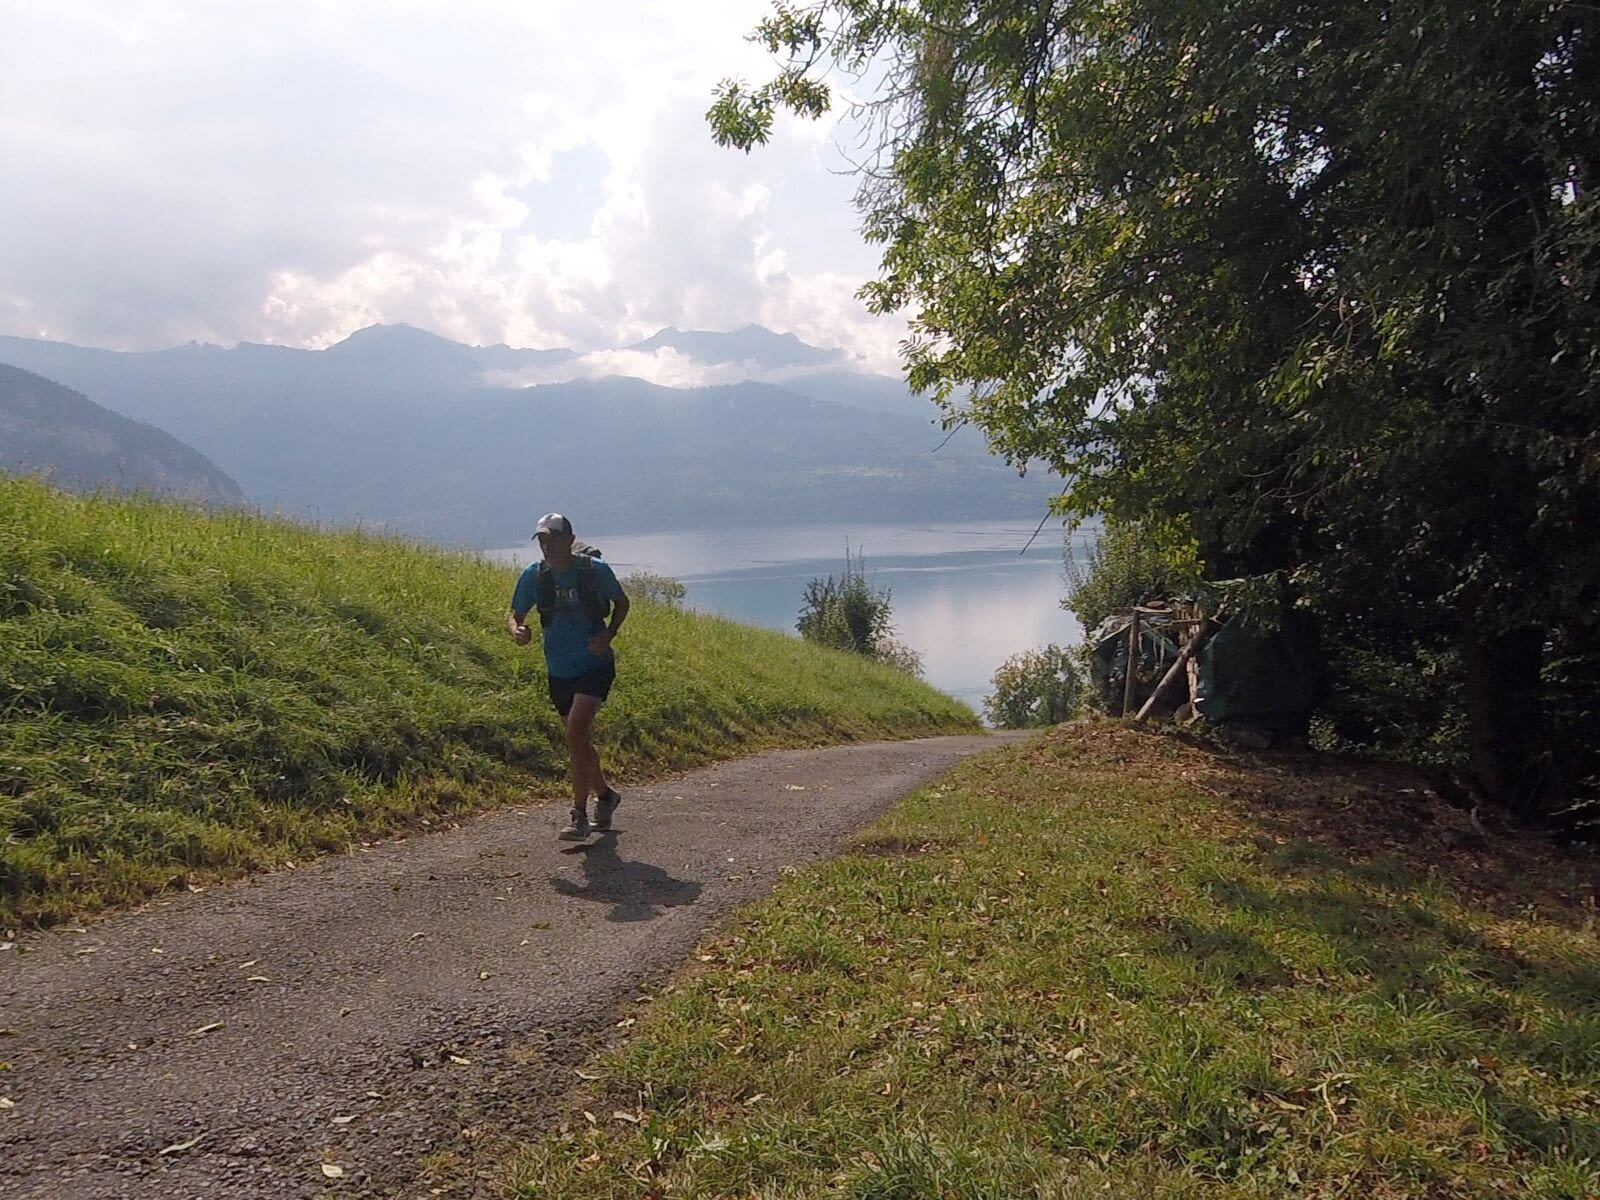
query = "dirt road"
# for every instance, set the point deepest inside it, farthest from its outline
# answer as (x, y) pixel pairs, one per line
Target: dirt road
(323, 1030)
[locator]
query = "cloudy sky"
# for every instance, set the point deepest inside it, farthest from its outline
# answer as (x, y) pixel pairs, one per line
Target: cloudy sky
(537, 172)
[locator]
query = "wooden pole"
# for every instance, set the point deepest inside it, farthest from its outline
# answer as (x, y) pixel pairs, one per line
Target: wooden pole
(1133, 662)
(1177, 668)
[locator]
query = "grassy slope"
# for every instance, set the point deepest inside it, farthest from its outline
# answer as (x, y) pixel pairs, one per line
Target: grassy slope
(182, 693)
(1112, 964)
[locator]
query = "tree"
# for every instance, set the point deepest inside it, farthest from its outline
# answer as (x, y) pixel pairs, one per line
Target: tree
(1034, 688)
(1130, 564)
(1319, 277)
(846, 613)
(659, 589)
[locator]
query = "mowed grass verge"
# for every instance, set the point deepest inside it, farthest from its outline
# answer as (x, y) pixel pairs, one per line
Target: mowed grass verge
(184, 696)
(1109, 963)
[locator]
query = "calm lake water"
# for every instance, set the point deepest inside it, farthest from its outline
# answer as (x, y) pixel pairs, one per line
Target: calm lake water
(961, 594)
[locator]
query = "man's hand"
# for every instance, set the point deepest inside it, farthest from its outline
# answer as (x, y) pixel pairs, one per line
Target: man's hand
(519, 632)
(600, 643)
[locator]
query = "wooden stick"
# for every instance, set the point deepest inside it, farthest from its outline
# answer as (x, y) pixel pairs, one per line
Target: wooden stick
(1133, 662)
(1175, 670)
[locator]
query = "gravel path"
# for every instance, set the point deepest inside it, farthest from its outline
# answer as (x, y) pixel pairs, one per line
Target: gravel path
(323, 1030)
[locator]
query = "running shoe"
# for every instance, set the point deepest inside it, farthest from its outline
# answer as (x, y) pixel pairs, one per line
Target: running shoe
(604, 807)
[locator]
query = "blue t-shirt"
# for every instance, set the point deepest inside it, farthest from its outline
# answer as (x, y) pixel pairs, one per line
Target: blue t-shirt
(566, 638)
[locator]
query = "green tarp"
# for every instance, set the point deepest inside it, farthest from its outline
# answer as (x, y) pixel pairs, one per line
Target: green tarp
(1273, 682)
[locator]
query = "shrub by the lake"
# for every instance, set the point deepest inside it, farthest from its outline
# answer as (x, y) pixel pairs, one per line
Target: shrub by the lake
(847, 613)
(1034, 688)
(658, 589)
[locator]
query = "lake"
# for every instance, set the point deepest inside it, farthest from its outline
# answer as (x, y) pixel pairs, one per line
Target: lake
(962, 595)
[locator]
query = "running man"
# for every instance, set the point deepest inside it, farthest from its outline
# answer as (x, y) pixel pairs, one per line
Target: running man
(573, 593)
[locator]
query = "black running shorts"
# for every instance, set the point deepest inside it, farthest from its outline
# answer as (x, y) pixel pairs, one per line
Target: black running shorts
(596, 683)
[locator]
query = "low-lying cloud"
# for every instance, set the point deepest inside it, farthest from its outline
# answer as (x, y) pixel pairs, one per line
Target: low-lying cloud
(664, 366)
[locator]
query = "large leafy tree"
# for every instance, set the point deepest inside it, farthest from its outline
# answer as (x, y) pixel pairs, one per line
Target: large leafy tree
(1318, 277)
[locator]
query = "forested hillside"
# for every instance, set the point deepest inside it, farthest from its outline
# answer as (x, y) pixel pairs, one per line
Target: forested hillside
(51, 431)
(401, 429)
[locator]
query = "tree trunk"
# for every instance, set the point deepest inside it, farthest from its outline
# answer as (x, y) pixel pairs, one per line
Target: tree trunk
(1502, 703)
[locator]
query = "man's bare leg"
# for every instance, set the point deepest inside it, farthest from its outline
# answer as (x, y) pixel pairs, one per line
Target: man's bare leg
(587, 777)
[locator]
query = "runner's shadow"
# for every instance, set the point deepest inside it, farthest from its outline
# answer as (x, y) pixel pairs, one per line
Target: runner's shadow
(637, 890)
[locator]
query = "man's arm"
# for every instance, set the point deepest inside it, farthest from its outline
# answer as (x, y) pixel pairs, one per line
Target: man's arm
(522, 600)
(619, 613)
(518, 627)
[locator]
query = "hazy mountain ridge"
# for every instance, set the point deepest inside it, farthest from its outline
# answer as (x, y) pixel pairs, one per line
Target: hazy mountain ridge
(396, 426)
(54, 432)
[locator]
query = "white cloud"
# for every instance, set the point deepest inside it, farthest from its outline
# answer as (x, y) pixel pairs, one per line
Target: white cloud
(495, 170)
(664, 366)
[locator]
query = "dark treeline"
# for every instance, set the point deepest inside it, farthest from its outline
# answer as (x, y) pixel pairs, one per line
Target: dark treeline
(1310, 283)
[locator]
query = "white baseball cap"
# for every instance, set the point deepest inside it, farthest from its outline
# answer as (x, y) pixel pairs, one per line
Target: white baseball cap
(553, 523)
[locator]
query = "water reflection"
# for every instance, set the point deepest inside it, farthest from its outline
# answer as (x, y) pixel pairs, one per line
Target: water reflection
(962, 596)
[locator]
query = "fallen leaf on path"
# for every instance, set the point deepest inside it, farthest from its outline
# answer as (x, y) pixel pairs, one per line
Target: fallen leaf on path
(486, 975)
(418, 934)
(7, 1102)
(374, 1095)
(793, 787)
(459, 1061)
(264, 979)
(180, 1147)
(211, 1028)
(343, 1120)
(588, 1116)
(332, 1170)
(251, 963)
(619, 1115)
(584, 1075)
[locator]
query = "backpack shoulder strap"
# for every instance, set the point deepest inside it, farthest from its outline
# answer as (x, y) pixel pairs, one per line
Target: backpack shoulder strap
(597, 607)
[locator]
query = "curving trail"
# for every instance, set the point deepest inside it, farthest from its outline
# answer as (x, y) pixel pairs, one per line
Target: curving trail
(365, 1011)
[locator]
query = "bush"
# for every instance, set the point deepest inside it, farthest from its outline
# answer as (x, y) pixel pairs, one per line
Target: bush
(660, 589)
(1034, 688)
(847, 614)
(1130, 564)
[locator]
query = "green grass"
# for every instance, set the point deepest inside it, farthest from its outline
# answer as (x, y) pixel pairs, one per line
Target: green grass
(1111, 964)
(184, 696)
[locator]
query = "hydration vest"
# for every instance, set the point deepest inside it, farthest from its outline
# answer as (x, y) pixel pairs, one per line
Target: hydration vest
(596, 606)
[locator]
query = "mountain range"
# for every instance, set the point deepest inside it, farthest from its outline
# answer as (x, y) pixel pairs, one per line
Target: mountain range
(403, 429)
(54, 432)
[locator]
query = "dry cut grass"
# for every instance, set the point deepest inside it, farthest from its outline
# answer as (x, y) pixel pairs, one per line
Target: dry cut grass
(1112, 963)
